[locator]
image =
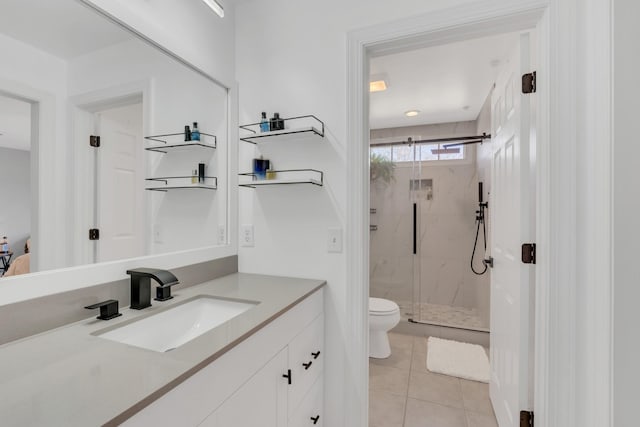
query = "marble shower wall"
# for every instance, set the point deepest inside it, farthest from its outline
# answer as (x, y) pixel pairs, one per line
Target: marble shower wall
(447, 228)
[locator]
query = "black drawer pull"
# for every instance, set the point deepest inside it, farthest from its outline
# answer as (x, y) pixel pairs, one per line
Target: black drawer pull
(316, 354)
(307, 365)
(288, 376)
(315, 419)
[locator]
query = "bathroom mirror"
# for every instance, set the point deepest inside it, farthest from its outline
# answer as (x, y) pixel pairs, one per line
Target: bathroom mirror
(95, 162)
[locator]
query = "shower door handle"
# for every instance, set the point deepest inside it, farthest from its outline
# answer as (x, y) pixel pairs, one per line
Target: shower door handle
(415, 228)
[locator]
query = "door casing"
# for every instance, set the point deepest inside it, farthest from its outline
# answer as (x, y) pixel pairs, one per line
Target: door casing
(562, 395)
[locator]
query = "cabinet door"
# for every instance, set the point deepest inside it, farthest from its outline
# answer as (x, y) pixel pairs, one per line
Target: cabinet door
(260, 402)
(309, 412)
(306, 360)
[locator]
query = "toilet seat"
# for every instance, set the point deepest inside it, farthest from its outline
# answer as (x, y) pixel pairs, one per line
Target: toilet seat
(382, 307)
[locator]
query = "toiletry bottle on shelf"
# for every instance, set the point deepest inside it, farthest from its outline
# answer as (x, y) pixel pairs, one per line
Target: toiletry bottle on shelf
(4, 244)
(260, 167)
(276, 123)
(201, 173)
(264, 123)
(194, 176)
(195, 133)
(271, 174)
(187, 133)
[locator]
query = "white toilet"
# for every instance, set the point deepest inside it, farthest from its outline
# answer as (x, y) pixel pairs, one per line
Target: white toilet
(383, 316)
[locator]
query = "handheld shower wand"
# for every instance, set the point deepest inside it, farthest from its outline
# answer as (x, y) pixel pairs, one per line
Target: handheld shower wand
(480, 216)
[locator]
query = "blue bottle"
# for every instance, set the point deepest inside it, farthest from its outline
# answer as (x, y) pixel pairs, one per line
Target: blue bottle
(195, 133)
(264, 123)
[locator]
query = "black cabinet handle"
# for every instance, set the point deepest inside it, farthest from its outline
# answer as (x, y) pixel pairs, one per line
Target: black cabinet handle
(316, 354)
(307, 365)
(315, 419)
(288, 376)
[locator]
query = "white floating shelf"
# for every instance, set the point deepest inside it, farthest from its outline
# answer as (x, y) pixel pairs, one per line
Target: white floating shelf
(182, 183)
(284, 177)
(308, 128)
(174, 142)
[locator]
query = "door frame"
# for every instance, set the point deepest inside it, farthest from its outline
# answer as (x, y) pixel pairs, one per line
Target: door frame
(83, 250)
(43, 174)
(572, 351)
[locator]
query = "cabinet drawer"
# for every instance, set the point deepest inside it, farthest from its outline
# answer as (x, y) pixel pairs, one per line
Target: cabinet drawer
(309, 413)
(306, 357)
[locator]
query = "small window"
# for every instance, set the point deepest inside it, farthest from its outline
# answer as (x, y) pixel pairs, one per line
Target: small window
(384, 152)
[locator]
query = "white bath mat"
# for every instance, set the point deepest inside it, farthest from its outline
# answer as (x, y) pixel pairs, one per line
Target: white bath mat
(458, 359)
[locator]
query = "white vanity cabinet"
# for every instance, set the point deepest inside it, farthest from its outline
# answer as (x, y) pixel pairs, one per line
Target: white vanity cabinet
(271, 379)
(261, 401)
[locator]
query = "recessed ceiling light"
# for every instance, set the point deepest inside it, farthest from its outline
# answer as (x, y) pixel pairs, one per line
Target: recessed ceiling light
(412, 113)
(215, 6)
(377, 86)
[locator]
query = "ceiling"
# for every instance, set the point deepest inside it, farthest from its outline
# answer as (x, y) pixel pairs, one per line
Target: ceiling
(63, 28)
(15, 124)
(446, 83)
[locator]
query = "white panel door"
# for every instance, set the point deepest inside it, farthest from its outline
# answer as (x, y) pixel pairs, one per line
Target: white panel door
(120, 186)
(510, 208)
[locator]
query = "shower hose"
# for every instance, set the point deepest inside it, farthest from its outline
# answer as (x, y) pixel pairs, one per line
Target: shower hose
(475, 244)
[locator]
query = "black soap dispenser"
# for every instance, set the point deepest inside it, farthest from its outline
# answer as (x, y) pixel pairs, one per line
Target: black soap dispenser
(276, 123)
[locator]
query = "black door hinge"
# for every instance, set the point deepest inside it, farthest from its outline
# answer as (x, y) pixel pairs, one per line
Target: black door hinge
(94, 234)
(94, 141)
(526, 418)
(529, 253)
(529, 82)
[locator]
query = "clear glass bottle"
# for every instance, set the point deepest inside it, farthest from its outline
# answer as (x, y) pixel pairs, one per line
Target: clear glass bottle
(195, 132)
(264, 123)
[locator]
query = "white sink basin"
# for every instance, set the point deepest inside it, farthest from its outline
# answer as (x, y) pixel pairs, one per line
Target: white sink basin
(174, 327)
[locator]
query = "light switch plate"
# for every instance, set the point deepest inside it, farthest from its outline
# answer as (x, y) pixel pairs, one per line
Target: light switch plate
(334, 241)
(246, 235)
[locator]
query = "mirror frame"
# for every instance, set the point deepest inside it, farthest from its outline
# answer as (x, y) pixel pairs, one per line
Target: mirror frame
(48, 282)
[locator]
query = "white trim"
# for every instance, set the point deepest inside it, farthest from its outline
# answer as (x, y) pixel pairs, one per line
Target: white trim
(43, 166)
(557, 399)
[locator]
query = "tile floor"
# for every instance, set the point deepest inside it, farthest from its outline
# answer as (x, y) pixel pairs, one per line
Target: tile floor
(402, 393)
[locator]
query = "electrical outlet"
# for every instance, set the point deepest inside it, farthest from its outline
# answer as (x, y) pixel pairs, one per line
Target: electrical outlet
(222, 234)
(246, 235)
(334, 241)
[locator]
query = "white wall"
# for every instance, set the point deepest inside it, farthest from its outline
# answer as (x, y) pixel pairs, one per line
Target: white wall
(626, 153)
(291, 58)
(15, 217)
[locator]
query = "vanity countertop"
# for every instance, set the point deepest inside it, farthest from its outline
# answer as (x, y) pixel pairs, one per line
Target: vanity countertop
(69, 376)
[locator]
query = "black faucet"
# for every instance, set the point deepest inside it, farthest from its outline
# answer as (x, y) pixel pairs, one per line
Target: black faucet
(141, 286)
